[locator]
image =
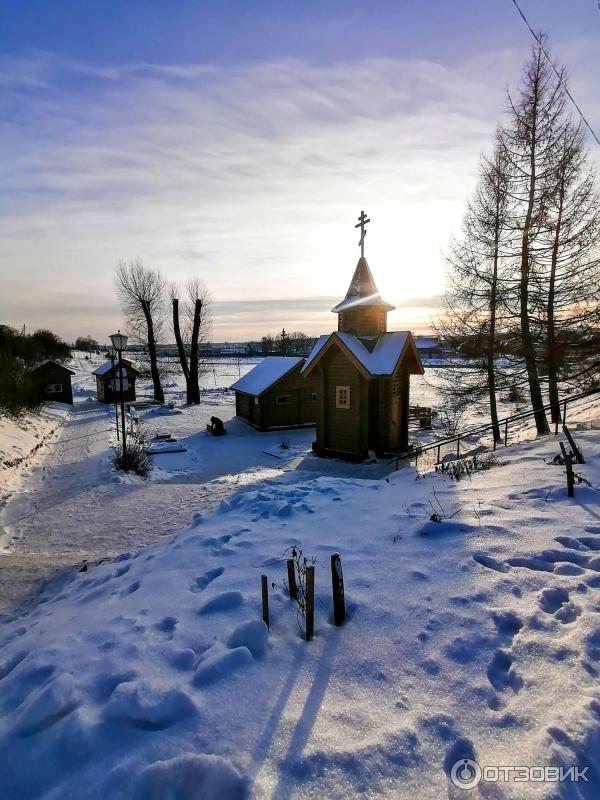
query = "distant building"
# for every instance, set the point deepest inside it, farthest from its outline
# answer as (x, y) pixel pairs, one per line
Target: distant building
(275, 395)
(52, 381)
(429, 346)
(108, 382)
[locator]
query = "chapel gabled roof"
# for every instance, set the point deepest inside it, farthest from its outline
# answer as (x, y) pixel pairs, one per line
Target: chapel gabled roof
(380, 360)
(362, 291)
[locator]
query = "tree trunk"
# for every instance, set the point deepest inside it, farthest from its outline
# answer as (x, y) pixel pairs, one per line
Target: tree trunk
(551, 344)
(159, 395)
(180, 348)
(535, 391)
(193, 389)
(491, 345)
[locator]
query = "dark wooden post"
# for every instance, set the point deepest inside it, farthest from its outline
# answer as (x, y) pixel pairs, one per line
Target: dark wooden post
(575, 450)
(265, 600)
(439, 453)
(564, 419)
(337, 585)
(569, 466)
(291, 570)
(457, 448)
(506, 434)
(310, 602)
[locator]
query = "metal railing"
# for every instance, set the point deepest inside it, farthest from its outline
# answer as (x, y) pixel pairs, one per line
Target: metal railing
(416, 451)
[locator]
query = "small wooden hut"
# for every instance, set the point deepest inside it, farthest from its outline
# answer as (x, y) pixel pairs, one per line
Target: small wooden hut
(52, 381)
(275, 395)
(108, 385)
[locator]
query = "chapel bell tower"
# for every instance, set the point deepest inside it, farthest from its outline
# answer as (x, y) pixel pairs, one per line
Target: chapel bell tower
(362, 312)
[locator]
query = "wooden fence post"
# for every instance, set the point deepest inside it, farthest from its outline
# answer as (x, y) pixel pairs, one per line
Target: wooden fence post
(265, 600)
(569, 466)
(337, 585)
(576, 451)
(291, 570)
(506, 434)
(310, 602)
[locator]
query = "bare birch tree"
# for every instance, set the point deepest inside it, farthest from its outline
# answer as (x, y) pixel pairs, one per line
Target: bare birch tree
(142, 291)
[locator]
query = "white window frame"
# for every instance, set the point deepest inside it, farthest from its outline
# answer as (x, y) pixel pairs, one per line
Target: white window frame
(342, 397)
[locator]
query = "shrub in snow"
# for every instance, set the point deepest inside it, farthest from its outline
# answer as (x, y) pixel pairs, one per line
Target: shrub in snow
(299, 594)
(138, 460)
(468, 466)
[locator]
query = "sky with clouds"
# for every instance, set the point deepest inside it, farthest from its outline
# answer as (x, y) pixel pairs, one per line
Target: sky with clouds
(238, 141)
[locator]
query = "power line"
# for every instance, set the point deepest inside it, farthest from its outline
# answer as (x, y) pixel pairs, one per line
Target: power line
(558, 75)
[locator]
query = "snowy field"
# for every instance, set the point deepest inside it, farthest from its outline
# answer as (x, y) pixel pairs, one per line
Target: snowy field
(152, 676)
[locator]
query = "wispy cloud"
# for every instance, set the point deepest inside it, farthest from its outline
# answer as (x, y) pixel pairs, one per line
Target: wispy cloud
(250, 177)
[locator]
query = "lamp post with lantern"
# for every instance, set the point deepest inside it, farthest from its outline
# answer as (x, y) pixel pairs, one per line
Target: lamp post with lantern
(111, 354)
(119, 342)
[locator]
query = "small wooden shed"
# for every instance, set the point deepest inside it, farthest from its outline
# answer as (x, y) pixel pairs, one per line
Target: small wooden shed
(52, 381)
(108, 385)
(275, 395)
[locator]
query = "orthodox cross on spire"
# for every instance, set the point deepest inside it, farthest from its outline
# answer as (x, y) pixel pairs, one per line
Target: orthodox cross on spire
(362, 221)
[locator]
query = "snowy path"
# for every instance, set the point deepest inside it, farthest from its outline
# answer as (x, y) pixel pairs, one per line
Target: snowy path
(70, 506)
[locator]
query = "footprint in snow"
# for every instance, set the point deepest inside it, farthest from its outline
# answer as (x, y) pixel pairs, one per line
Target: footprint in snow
(200, 583)
(490, 563)
(167, 625)
(501, 674)
(556, 601)
(222, 602)
(143, 706)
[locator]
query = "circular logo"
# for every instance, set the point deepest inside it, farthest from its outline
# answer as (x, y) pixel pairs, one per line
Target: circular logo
(465, 773)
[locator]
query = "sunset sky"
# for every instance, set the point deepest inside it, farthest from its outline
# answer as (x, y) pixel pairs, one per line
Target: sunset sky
(239, 141)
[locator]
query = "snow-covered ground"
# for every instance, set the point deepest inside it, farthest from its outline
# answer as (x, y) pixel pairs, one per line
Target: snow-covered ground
(64, 503)
(152, 676)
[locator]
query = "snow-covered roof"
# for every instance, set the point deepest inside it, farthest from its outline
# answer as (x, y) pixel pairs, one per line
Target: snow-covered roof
(317, 347)
(54, 364)
(265, 374)
(103, 369)
(382, 360)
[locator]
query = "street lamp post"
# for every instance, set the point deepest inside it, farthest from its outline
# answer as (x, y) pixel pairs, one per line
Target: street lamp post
(119, 342)
(111, 355)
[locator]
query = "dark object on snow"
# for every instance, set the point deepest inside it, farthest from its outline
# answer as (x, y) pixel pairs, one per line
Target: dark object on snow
(216, 426)
(337, 584)
(264, 590)
(578, 455)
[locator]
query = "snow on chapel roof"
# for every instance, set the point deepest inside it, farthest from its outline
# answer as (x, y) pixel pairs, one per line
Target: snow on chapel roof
(382, 360)
(265, 374)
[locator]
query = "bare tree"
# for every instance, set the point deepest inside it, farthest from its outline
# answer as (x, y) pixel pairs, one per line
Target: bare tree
(530, 140)
(193, 332)
(570, 280)
(475, 286)
(141, 291)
